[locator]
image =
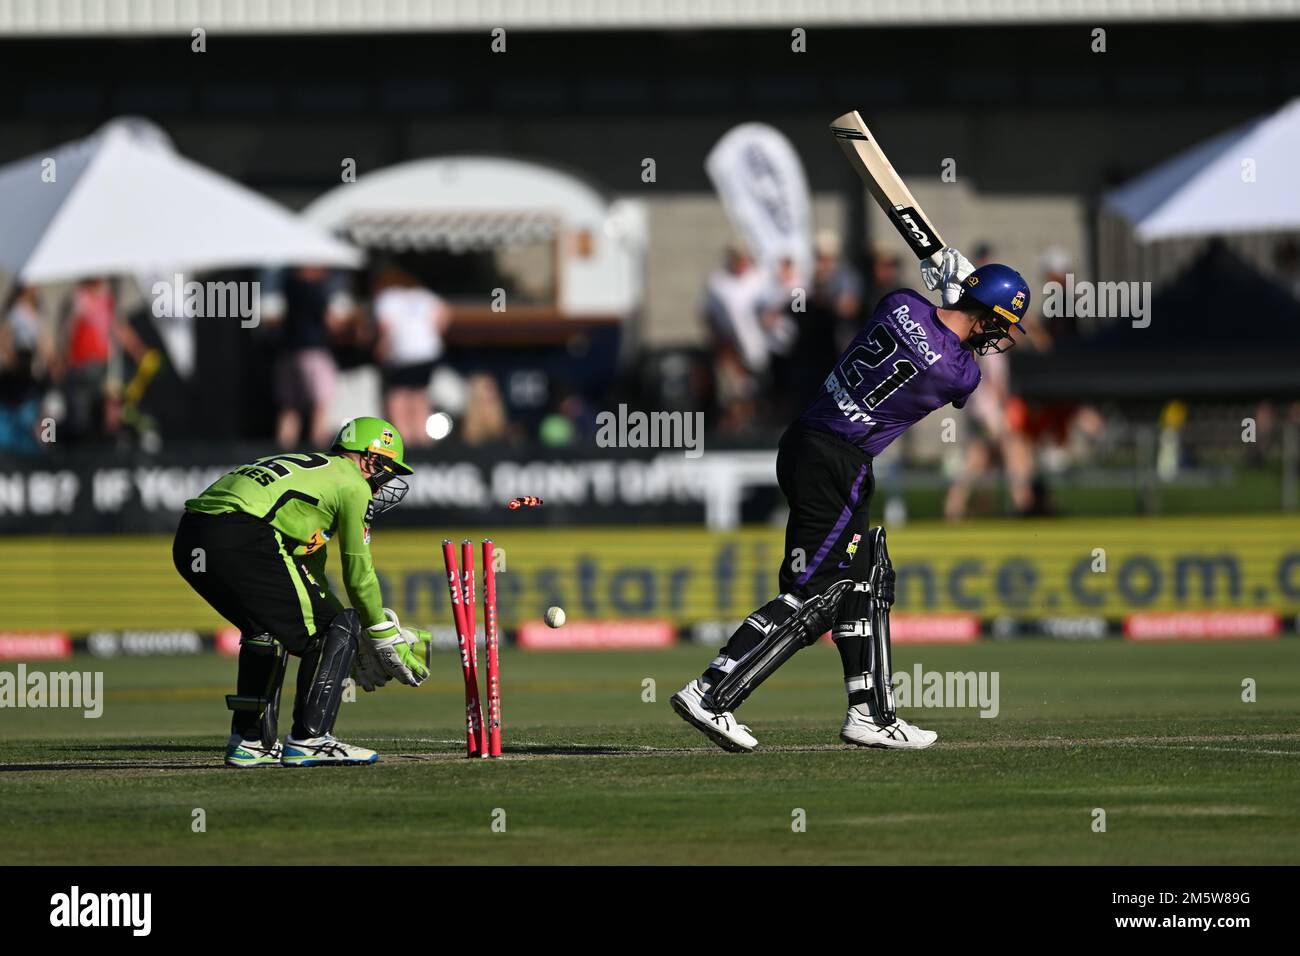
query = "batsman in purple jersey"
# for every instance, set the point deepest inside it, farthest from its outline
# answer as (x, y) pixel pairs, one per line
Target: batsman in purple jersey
(910, 359)
(903, 365)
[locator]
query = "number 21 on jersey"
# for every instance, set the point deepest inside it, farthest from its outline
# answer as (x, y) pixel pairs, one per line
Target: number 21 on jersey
(879, 347)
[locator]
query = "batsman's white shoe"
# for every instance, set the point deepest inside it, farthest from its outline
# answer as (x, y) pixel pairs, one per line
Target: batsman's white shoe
(319, 751)
(861, 730)
(723, 729)
(250, 753)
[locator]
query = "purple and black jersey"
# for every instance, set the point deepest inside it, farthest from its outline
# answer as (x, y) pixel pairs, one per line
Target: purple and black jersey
(903, 365)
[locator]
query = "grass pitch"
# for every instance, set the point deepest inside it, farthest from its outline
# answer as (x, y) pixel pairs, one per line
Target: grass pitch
(1156, 736)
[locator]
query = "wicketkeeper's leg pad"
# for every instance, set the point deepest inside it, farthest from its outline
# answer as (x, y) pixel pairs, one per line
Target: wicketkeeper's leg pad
(325, 665)
(256, 703)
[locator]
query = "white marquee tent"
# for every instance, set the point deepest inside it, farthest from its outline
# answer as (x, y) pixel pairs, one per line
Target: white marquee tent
(124, 202)
(1242, 181)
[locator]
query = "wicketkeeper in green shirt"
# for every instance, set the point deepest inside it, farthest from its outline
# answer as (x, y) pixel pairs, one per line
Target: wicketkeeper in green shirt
(253, 544)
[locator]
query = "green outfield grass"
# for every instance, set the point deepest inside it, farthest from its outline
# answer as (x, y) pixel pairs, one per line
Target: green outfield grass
(1157, 736)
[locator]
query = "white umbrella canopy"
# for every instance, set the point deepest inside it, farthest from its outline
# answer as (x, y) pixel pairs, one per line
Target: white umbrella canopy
(124, 202)
(1240, 181)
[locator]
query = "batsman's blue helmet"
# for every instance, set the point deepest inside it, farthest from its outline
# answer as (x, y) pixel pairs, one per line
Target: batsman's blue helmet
(1004, 291)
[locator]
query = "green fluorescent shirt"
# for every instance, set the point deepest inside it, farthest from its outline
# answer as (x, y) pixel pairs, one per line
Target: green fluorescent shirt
(309, 498)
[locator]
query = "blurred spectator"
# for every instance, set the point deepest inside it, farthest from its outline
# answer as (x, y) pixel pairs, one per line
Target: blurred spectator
(1050, 431)
(777, 309)
(733, 297)
(20, 410)
(834, 310)
(1050, 428)
(557, 430)
(358, 388)
(782, 326)
(25, 341)
(1265, 428)
(26, 357)
(883, 275)
(568, 422)
(1286, 260)
(998, 430)
(485, 413)
(23, 335)
(448, 390)
(1171, 455)
(992, 439)
(411, 322)
(1271, 422)
(93, 331)
(1055, 265)
(305, 372)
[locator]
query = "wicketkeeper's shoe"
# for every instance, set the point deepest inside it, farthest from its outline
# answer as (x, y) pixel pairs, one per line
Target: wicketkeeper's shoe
(251, 753)
(722, 728)
(861, 730)
(318, 751)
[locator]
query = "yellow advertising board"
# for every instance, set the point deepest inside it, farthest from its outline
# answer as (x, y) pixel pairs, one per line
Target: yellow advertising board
(1021, 569)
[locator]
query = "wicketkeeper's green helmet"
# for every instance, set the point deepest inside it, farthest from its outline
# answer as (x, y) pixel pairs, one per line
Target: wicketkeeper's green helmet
(383, 443)
(376, 436)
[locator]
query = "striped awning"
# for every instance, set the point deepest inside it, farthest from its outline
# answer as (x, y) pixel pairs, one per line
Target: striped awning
(129, 17)
(452, 231)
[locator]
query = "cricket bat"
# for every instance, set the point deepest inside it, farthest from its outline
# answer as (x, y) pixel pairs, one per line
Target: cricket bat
(887, 187)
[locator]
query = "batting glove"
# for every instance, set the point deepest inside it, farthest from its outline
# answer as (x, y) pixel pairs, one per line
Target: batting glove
(948, 275)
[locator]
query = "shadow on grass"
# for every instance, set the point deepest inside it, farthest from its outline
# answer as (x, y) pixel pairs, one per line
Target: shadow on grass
(140, 748)
(142, 761)
(576, 750)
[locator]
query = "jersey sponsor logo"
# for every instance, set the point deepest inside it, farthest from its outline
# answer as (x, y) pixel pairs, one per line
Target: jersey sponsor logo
(319, 538)
(916, 334)
(844, 400)
(851, 550)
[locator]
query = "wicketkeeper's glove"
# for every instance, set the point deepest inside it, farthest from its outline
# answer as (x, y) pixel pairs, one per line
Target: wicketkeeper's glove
(421, 642)
(397, 655)
(367, 671)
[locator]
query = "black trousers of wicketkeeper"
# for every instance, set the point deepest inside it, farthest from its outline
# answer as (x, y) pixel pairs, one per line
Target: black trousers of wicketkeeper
(827, 483)
(245, 569)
